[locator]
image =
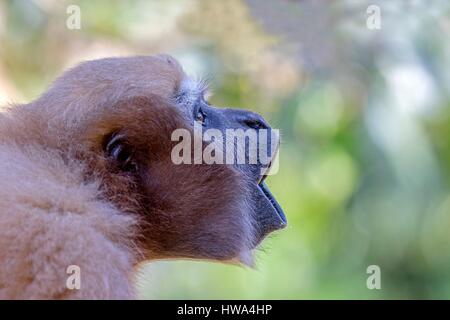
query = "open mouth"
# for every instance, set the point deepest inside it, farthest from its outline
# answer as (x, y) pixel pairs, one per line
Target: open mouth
(269, 213)
(276, 207)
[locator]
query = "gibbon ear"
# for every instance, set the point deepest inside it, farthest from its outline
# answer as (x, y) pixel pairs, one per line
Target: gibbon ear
(119, 151)
(111, 140)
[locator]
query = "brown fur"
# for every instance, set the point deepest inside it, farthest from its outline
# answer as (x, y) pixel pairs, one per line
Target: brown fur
(64, 202)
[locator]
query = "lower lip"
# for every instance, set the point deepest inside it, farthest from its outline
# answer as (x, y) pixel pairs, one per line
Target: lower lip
(268, 194)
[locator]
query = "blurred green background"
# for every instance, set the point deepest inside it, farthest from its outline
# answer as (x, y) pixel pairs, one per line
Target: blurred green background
(364, 114)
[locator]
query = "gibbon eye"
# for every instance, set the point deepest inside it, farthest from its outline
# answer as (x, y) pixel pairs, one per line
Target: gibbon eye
(200, 116)
(120, 152)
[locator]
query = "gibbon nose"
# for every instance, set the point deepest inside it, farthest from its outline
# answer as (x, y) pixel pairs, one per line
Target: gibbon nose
(251, 120)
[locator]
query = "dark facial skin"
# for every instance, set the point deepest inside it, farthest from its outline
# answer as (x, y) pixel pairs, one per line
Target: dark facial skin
(268, 213)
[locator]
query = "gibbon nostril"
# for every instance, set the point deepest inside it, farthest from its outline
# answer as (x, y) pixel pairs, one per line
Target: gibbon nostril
(248, 119)
(255, 124)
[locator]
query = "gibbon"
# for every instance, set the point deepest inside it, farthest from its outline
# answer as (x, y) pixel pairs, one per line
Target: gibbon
(87, 180)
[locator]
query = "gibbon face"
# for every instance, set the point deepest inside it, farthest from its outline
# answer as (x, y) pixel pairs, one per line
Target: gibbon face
(116, 116)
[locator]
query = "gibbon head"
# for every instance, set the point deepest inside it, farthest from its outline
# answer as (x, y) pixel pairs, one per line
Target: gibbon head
(117, 117)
